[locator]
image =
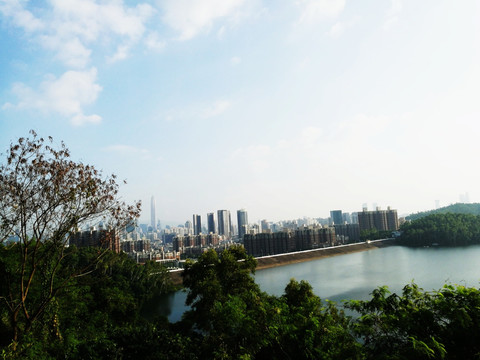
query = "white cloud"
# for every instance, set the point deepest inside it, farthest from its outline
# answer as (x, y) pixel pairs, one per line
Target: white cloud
(120, 54)
(337, 29)
(341, 26)
(73, 30)
(395, 8)
(217, 108)
(221, 33)
(255, 158)
(191, 17)
(66, 95)
(315, 10)
(20, 17)
(129, 150)
(292, 153)
(153, 42)
(310, 136)
(89, 19)
(197, 111)
(393, 14)
(70, 28)
(71, 52)
(80, 119)
(235, 60)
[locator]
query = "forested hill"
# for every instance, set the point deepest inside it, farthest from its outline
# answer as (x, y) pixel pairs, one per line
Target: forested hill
(458, 208)
(442, 229)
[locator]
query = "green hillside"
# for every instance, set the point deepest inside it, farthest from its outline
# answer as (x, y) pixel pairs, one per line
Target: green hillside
(458, 208)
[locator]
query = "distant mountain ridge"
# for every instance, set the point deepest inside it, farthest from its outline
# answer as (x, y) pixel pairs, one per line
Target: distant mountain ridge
(458, 208)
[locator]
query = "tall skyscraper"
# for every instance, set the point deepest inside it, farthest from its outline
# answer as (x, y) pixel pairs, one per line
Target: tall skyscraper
(242, 221)
(153, 221)
(337, 217)
(197, 224)
(224, 223)
(188, 227)
(211, 223)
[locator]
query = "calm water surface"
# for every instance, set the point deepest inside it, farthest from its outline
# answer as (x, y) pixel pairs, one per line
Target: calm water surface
(354, 276)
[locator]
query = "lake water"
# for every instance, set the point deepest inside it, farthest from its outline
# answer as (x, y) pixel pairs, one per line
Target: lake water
(354, 276)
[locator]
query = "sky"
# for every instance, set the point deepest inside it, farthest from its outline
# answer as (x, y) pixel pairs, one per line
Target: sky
(283, 108)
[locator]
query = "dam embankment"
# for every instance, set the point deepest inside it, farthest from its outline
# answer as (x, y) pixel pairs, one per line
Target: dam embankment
(265, 262)
(307, 255)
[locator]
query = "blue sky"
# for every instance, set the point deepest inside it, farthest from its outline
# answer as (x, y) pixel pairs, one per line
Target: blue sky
(284, 108)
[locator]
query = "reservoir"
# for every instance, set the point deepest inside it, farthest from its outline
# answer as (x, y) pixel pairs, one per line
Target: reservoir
(356, 275)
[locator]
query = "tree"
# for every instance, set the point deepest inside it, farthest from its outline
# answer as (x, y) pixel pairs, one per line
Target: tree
(239, 321)
(226, 303)
(420, 325)
(305, 327)
(442, 229)
(45, 197)
(213, 278)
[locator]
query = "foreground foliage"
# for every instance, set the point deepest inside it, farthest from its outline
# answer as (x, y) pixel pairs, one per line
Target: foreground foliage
(44, 198)
(88, 317)
(444, 324)
(238, 320)
(98, 316)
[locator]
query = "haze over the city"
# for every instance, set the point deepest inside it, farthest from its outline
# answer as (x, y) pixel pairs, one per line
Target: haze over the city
(286, 109)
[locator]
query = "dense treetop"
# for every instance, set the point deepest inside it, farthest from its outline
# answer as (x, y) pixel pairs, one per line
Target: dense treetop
(442, 229)
(44, 198)
(458, 208)
(98, 316)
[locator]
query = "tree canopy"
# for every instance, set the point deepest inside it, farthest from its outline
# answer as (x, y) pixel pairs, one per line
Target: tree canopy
(45, 197)
(442, 229)
(98, 316)
(443, 324)
(458, 208)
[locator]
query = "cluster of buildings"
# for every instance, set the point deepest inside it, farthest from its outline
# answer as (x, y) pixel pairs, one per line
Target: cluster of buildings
(102, 238)
(307, 237)
(151, 242)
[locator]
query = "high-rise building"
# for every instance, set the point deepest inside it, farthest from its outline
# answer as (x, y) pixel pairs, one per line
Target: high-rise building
(307, 238)
(224, 223)
(197, 224)
(188, 227)
(242, 221)
(350, 232)
(211, 223)
(106, 239)
(379, 219)
(153, 222)
(264, 226)
(337, 217)
(347, 218)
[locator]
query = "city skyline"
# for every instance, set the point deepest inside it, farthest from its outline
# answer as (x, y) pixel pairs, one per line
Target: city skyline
(210, 222)
(286, 109)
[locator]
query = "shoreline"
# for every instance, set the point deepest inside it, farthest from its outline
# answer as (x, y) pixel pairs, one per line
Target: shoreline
(309, 255)
(271, 261)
